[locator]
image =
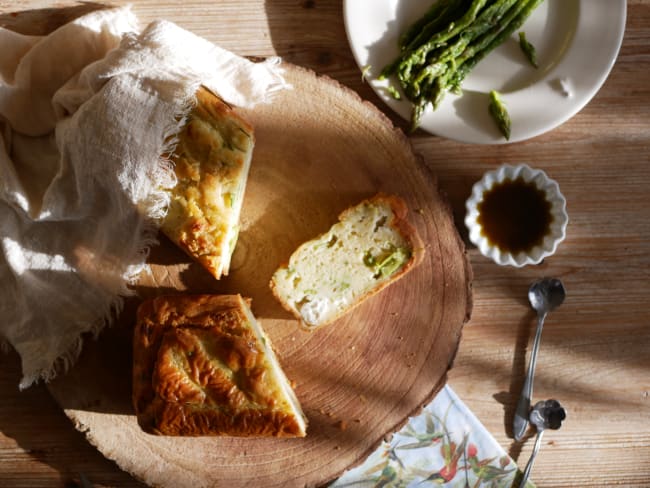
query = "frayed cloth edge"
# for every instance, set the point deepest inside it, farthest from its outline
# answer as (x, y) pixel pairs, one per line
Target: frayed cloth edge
(158, 202)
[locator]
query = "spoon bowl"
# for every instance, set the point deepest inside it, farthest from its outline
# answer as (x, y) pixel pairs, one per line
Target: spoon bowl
(547, 414)
(544, 295)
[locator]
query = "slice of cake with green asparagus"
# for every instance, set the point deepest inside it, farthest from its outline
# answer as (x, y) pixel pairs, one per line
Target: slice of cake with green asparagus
(371, 246)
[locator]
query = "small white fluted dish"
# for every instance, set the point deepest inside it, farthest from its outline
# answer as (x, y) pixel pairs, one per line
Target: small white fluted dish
(557, 230)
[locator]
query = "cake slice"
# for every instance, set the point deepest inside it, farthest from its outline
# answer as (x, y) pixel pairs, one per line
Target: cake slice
(211, 162)
(202, 365)
(370, 247)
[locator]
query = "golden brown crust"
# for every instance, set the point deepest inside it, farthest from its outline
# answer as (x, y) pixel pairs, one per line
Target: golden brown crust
(200, 369)
(211, 162)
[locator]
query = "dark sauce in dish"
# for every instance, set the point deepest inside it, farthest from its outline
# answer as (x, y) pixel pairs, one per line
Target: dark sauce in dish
(514, 215)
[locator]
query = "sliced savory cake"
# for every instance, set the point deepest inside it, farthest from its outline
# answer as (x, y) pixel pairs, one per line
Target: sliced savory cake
(371, 246)
(204, 366)
(211, 161)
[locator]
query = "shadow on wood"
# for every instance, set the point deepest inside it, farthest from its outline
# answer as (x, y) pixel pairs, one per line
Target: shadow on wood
(40, 22)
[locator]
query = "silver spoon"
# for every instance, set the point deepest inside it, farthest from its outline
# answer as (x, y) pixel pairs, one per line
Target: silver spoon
(547, 414)
(544, 295)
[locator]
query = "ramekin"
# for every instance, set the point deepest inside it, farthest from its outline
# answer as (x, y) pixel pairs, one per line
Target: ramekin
(557, 230)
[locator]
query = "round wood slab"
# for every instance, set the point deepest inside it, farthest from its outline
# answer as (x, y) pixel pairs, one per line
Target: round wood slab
(319, 149)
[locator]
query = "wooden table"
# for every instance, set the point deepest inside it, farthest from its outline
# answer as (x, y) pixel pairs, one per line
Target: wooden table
(595, 355)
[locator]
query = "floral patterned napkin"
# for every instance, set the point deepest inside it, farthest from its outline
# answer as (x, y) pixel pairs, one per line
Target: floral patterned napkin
(445, 445)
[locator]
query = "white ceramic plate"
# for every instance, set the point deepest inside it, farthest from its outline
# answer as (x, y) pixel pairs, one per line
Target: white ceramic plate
(577, 42)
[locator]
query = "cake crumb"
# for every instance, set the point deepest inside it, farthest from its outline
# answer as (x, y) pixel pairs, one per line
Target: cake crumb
(324, 412)
(342, 425)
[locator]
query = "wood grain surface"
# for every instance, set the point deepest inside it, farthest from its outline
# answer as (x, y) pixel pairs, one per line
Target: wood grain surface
(594, 355)
(318, 150)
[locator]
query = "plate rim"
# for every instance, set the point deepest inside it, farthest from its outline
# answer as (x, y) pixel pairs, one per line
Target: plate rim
(596, 77)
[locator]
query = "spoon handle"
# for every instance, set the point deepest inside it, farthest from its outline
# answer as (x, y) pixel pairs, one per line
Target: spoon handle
(529, 465)
(523, 407)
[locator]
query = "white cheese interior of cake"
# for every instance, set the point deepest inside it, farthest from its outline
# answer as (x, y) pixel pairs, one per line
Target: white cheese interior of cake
(327, 275)
(275, 371)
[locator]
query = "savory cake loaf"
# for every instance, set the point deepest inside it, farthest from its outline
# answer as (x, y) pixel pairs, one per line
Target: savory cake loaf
(211, 161)
(202, 365)
(371, 246)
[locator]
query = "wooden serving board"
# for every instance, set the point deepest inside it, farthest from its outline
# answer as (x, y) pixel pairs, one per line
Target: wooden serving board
(319, 149)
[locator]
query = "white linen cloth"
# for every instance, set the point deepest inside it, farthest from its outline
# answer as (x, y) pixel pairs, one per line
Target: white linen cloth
(85, 114)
